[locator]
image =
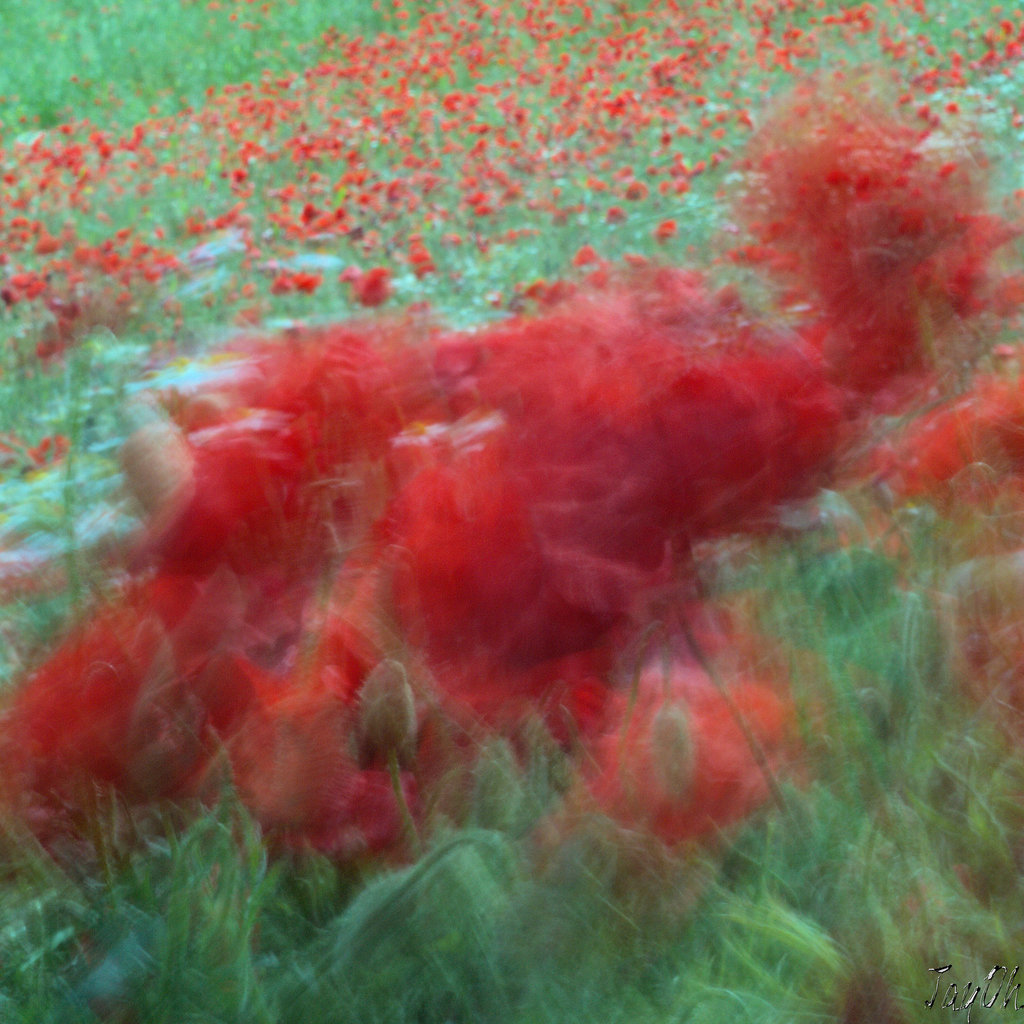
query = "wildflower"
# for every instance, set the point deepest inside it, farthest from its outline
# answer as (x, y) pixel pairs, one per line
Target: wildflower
(585, 256)
(636, 190)
(885, 233)
(665, 230)
(685, 759)
(419, 257)
(373, 288)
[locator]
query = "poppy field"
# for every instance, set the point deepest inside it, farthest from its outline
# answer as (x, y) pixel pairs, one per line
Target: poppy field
(511, 512)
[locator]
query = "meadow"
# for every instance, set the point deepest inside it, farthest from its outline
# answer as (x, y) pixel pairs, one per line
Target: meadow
(174, 176)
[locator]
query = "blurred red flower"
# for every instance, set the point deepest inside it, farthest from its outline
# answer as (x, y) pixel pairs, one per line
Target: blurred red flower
(665, 230)
(885, 234)
(373, 288)
(685, 759)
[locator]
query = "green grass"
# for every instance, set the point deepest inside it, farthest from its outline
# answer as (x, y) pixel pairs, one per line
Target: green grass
(897, 849)
(120, 62)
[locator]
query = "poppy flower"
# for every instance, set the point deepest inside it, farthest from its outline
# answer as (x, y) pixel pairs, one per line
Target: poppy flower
(585, 256)
(292, 767)
(984, 427)
(244, 484)
(420, 259)
(373, 288)
(134, 696)
(665, 230)
(681, 760)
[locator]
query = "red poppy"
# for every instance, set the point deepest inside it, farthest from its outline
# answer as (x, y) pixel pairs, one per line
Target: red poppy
(617, 425)
(585, 256)
(983, 428)
(292, 767)
(133, 696)
(373, 288)
(686, 759)
(420, 258)
(665, 230)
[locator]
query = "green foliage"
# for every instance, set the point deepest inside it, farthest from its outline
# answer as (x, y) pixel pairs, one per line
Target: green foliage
(121, 61)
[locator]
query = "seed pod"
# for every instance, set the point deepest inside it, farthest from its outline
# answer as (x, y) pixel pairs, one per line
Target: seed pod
(387, 715)
(206, 410)
(672, 750)
(158, 468)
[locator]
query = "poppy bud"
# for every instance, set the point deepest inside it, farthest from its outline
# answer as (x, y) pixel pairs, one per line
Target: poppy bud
(158, 467)
(387, 715)
(205, 410)
(672, 750)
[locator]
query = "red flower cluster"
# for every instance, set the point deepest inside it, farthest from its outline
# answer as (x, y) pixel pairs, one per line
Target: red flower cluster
(371, 544)
(880, 222)
(492, 509)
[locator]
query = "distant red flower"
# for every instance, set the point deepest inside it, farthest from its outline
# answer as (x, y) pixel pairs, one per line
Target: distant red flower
(282, 284)
(306, 282)
(373, 288)
(585, 256)
(420, 257)
(48, 244)
(549, 293)
(665, 230)
(287, 282)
